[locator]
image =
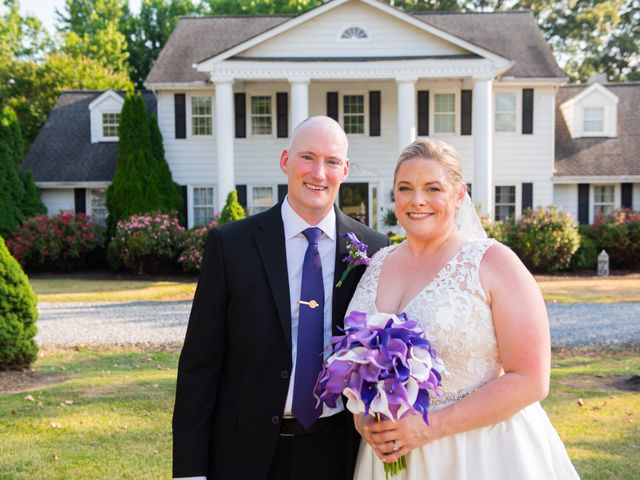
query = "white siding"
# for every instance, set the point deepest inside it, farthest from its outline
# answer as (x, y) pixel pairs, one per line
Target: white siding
(636, 197)
(388, 36)
(565, 197)
(108, 105)
(57, 199)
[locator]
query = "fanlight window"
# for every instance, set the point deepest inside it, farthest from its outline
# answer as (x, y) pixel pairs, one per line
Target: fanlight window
(354, 33)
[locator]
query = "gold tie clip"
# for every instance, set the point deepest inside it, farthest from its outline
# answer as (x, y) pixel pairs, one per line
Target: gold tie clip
(311, 304)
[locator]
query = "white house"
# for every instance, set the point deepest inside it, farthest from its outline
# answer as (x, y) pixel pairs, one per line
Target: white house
(230, 90)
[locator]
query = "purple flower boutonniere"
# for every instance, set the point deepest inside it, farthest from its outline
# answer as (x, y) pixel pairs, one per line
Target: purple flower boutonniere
(357, 255)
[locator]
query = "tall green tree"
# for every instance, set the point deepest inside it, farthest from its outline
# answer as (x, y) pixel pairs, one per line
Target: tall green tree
(169, 190)
(22, 36)
(91, 28)
(147, 32)
(259, 7)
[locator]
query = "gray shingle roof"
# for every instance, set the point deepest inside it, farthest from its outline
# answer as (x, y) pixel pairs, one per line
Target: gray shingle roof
(513, 35)
(601, 156)
(63, 152)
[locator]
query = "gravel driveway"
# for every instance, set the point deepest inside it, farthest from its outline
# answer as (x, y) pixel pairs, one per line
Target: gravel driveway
(572, 325)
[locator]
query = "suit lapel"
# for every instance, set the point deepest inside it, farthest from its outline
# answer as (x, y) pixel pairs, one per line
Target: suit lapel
(342, 295)
(269, 240)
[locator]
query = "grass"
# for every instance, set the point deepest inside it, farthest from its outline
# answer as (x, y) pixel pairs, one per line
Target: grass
(110, 417)
(562, 289)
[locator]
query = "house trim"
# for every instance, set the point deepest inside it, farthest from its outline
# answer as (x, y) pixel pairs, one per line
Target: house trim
(67, 185)
(596, 179)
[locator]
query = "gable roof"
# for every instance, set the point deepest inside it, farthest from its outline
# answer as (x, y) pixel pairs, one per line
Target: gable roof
(63, 152)
(512, 35)
(593, 156)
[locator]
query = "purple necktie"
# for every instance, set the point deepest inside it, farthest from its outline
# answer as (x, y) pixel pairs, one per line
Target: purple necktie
(310, 333)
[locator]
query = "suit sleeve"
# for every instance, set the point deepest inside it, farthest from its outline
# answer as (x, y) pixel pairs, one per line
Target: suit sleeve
(200, 365)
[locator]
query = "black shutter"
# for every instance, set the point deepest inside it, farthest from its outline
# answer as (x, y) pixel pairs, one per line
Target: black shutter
(527, 111)
(465, 112)
(527, 196)
(241, 190)
(374, 114)
(180, 105)
(423, 112)
(282, 112)
(282, 191)
(240, 107)
(626, 200)
(332, 105)
(80, 200)
(470, 190)
(583, 203)
(185, 206)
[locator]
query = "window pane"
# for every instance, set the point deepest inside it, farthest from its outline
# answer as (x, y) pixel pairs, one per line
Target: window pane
(99, 206)
(593, 119)
(261, 123)
(445, 102)
(505, 115)
(444, 123)
(202, 205)
(505, 200)
(262, 199)
(445, 117)
(353, 113)
(201, 118)
(604, 194)
(505, 102)
(110, 122)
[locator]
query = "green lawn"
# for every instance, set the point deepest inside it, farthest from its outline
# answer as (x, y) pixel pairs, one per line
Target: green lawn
(110, 415)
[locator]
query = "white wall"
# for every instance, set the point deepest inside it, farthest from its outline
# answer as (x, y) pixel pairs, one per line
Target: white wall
(565, 197)
(388, 36)
(57, 199)
(107, 105)
(636, 197)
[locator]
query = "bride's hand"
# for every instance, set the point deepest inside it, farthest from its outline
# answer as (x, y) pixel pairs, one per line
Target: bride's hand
(406, 434)
(361, 421)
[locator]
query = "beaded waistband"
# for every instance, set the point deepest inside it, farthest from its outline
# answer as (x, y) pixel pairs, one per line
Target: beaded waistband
(448, 397)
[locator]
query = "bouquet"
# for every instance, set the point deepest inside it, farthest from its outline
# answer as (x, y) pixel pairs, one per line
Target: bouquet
(384, 366)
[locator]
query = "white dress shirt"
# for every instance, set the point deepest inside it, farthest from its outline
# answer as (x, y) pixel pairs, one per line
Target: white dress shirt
(296, 246)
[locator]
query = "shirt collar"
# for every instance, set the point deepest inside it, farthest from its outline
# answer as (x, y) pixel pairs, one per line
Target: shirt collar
(294, 224)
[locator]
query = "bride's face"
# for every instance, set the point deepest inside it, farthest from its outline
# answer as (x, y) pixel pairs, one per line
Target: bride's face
(426, 200)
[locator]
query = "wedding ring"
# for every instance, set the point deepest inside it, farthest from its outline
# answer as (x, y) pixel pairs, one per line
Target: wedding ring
(396, 447)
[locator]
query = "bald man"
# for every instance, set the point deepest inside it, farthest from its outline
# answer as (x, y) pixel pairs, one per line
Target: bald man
(235, 413)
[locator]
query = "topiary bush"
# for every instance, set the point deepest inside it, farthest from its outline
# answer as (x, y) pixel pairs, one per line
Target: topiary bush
(18, 314)
(232, 210)
(619, 234)
(545, 239)
(66, 241)
(147, 243)
(193, 247)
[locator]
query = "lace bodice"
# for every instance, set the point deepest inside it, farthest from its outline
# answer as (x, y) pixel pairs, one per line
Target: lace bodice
(453, 311)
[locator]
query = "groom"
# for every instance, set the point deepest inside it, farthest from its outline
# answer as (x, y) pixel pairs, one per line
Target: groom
(265, 306)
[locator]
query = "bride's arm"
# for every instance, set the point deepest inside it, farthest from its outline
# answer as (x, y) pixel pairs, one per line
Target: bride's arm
(522, 332)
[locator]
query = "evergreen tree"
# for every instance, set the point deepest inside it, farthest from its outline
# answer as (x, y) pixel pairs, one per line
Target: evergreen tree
(232, 210)
(11, 134)
(18, 314)
(11, 192)
(170, 191)
(32, 203)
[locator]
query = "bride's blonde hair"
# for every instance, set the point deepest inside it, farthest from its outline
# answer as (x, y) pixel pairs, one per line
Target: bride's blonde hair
(428, 149)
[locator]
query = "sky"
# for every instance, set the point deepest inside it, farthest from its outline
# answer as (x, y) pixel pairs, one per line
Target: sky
(45, 10)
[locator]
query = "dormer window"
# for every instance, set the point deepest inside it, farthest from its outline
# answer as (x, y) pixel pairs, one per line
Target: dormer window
(593, 120)
(354, 33)
(110, 123)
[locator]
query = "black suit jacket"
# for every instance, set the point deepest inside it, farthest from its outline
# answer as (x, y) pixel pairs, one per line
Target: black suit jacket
(234, 368)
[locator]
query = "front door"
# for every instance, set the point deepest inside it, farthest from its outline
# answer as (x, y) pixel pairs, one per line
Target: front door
(354, 201)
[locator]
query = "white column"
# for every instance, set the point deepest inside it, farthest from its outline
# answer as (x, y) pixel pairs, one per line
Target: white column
(407, 113)
(482, 187)
(224, 138)
(299, 101)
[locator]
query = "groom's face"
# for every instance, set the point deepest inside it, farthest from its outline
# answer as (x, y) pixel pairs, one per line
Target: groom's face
(315, 164)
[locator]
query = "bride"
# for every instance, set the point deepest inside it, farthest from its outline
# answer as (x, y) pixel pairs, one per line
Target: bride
(485, 315)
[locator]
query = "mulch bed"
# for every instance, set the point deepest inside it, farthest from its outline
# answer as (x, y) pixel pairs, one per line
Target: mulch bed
(14, 381)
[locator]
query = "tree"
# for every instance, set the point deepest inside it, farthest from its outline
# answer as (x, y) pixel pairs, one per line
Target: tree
(171, 193)
(232, 210)
(22, 37)
(18, 314)
(91, 28)
(260, 7)
(11, 193)
(147, 33)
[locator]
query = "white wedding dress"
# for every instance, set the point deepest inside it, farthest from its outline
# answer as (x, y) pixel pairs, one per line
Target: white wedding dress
(453, 311)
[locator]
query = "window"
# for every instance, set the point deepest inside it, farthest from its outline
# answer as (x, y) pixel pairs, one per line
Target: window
(201, 119)
(353, 114)
(354, 33)
(99, 206)
(505, 202)
(261, 199)
(593, 120)
(202, 205)
(110, 123)
(505, 115)
(603, 199)
(444, 113)
(261, 117)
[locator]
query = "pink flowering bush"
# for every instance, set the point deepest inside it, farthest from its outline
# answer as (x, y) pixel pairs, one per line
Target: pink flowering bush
(193, 247)
(618, 234)
(66, 241)
(146, 243)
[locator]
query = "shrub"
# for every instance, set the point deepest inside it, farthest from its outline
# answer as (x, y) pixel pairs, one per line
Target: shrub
(146, 243)
(545, 239)
(389, 218)
(495, 229)
(193, 247)
(18, 314)
(586, 257)
(232, 210)
(65, 241)
(619, 234)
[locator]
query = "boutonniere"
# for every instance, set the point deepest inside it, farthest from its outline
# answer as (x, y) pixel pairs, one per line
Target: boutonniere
(357, 255)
